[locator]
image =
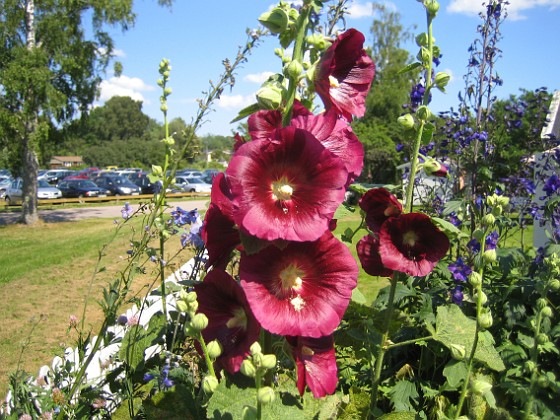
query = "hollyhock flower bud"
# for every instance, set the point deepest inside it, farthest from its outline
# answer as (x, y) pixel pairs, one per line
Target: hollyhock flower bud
(441, 80)
(543, 381)
(209, 384)
(485, 319)
(249, 413)
(480, 387)
(458, 351)
(529, 366)
(432, 6)
(199, 322)
(268, 361)
(542, 338)
(255, 348)
(423, 113)
(318, 41)
(214, 349)
(276, 21)
(424, 55)
(475, 279)
(483, 297)
(488, 220)
(407, 121)
(490, 256)
(270, 96)
(554, 284)
(265, 395)
(422, 39)
(546, 311)
(541, 303)
(434, 168)
(248, 368)
(293, 69)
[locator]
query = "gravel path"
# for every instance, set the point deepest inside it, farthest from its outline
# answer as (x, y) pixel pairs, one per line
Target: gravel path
(105, 212)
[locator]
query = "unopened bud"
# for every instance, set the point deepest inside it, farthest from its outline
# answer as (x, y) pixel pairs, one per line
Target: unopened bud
(214, 349)
(265, 395)
(255, 348)
(441, 80)
(276, 20)
(490, 256)
(270, 96)
(485, 319)
(199, 322)
(432, 6)
(546, 311)
(475, 279)
(293, 70)
(488, 220)
(209, 384)
(249, 413)
(424, 55)
(541, 303)
(182, 306)
(406, 120)
(554, 284)
(423, 113)
(248, 368)
(542, 338)
(543, 381)
(458, 351)
(480, 387)
(268, 361)
(529, 366)
(483, 297)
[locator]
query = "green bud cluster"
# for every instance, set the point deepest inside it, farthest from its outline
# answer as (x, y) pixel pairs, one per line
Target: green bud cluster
(485, 319)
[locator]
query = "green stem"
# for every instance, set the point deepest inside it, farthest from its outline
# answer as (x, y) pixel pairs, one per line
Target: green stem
(258, 384)
(209, 361)
(407, 342)
(382, 346)
(535, 374)
(413, 168)
(296, 55)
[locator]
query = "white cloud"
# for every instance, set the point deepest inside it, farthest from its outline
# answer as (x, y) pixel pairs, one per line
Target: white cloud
(124, 86)
(258, 77)
(236, 101)
(362, 10)
(515, 9)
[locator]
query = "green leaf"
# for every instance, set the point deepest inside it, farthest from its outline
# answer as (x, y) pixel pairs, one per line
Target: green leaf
(400, 293)
(176, 404)
(245, 112)
(343, 211)
(454, 327)
(410, 67)
(402, 395)
(137, 340)
(448, 228)
(358, 297)
(402, 415)
(455, 372)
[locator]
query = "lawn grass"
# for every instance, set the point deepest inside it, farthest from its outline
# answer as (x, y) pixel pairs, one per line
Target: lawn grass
(47, 275)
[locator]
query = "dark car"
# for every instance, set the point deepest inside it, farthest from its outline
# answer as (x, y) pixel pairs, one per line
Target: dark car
(118, 185)
(141, 179)
(78, 188)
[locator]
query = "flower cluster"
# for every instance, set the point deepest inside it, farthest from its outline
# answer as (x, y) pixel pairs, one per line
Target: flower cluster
(409, 243)
(275, 204)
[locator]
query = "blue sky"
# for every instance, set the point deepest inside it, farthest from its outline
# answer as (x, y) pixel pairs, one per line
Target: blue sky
(197, 35)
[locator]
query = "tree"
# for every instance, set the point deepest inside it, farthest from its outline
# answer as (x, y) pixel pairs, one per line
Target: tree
(378, 128)
(50, 71)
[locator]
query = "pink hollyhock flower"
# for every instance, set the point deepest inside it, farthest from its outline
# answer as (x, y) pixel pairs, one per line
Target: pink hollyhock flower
(368, 253)
(219, 233)
(263, 124)
(411, 244)
(344, 75)
(316, 364)
(286, 188)
(337, 136)
(239, 140)
(303, 289)
(230, 320)
(379, 205)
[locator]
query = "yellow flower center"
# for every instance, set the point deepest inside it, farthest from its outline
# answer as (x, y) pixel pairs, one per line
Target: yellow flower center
(410, 238)
(306, 351)
(238, 320)
(333, 81)
(282, 190)
(291, 278)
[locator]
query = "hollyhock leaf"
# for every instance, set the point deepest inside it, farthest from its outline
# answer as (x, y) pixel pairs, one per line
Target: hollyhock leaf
(450, 229)
(316, 364)
(344, 75)
(368, 253)
(245, 112)
(411, 244)
(303, 289)
(287, 188)
(379, 205)
(410, 67)
(230, 320)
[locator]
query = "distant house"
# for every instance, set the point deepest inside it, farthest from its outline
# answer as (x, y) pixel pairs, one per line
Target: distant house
(541, 233)
(65, 161)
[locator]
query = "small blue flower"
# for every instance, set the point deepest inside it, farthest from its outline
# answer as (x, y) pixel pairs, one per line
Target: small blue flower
(460, 270)
(127, 211)
(492, 240)
(148, 377)
(457, 295)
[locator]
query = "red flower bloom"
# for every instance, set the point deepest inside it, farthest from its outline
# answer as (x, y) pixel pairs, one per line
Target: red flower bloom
(263, 124)
(368, 253)
(316, 364)
(412, 244)
(303, 289)
(337, 136)
(379, 205)
(230, 320)
(286, 188)
(344, 75)
(219, 233)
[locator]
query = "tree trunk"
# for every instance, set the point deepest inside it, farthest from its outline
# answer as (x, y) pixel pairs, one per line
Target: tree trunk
(29, 212)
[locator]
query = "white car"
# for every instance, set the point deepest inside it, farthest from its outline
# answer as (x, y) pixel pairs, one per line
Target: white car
(45, 191)
(192, 184)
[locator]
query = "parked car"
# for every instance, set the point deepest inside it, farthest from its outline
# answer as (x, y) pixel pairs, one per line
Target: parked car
(45, 191)
(192, 184)
(5, 183)
(190, 174)
(52, 176)
(78, 188)
(118, 185)
(141, 179)
(209, 174)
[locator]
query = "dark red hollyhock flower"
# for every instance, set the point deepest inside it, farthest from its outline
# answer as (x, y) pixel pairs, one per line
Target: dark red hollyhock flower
(344, 75)
(316, 364)
(368, 253)
(219, 233)
(411, 244)
(286, 188)
(230, 320)
(239, 140)
(303, 289)
(263, 124)
(337, 136)
(379, 205)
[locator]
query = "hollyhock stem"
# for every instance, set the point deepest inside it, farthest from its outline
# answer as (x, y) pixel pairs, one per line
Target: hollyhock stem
(209, 362)
(376, 379)
(297, 55)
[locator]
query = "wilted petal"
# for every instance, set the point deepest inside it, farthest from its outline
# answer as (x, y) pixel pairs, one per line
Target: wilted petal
(303, 289)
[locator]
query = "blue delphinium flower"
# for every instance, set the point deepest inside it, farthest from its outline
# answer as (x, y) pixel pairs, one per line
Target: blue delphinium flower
(457, 295)
(182, 217)
(127, 211)
(492, 240)
(459, 270)
(552, 185)
(473, 245)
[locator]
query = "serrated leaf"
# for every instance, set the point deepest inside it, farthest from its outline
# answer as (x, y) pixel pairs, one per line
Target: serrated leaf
(448, 228)
(343, 211)
(455, 372)
(137, 340)
(402, 415)
(453, 327)
(402, 395)
(400, 293)
(410, 67)
(178, 404)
